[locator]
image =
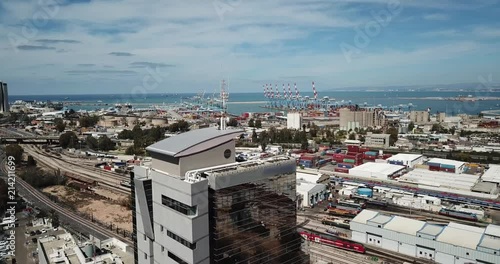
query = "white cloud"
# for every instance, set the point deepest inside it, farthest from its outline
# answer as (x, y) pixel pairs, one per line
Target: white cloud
(436, 17)
(487, 32)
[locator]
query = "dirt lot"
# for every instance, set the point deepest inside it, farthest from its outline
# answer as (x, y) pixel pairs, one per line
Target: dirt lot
(102, 209)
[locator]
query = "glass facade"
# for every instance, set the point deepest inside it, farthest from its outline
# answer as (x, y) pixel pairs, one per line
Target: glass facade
(178, 206)
(181, 240)
(255, 222)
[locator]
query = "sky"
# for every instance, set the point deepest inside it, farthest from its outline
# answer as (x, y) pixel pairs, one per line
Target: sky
(174, 46)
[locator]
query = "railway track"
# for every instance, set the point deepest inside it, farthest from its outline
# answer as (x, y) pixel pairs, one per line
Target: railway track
(335, 255)
(50, 161)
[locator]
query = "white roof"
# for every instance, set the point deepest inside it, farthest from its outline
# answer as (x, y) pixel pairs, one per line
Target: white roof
(492, 174)
(455, 163)
(432, 230)
(492, 230)
(381, 219)
(308, 177)
(490, 242)
(404, 157)
(440, 179)
(304, 187)
(381, 168)
(455, 233)
(404, 225)
(364, 216)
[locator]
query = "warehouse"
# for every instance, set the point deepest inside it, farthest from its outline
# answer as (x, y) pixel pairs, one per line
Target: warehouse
(310, 194)
(424, 178)
(446, 165)
(409, 160)
(380, 171)
(492, 174)
(312, 177)
(442, 244)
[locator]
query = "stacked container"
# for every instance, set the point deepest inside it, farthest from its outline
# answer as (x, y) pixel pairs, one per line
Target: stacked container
(447, 168)
(370, 155)
(434, 166)
(342, 170)
(345, 165)
(338, 157)
(352, 148)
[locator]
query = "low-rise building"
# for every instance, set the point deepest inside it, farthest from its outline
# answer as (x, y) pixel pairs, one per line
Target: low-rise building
(377, 140)
(451, 244)
(408, 160)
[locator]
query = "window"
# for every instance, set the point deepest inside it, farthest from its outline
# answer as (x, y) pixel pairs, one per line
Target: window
(467, 253)
(162, 248)
(430, 255)
(144, 237)
(161, 228)
(178, 206)
(370, 239)
(378, 241)
(181, 240)
(177, 259)
(145, 256)
(420, 252)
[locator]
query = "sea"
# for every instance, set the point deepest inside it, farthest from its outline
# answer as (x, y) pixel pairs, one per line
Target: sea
(252, 102)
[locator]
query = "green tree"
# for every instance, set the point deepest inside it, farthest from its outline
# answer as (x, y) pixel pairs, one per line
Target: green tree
(132, 150)
(264, 139)
(15, 151)
(254, 136)
(127, 134)
(251, 122)
(179, 126)
(92, 142)
(232, 122)
(393, 132)
(55, 218)
(304, 127)
(258, 123)
(452, 130)
(60, 125)
(89, 121)
(106, 144)
(31, 161)
(411, 126)
(68, 140)
(352, 136)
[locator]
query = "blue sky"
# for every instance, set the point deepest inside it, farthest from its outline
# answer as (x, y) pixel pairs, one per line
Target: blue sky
(162, 46)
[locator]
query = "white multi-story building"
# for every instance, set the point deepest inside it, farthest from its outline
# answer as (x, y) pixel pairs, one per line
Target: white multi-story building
(195, 204)
(450, 244)
(294, 120)
(377, 140)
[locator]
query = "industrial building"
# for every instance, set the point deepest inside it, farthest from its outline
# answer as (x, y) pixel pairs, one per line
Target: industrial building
(358, 119)
(4, 98)
(492, 174)
(451, 244)
(408, 160)
(377, 140)
(447, 182)
(380, 171)
(63, 248)
(446, 165)
(420, 117)
(197, 205)
(313, 178)
(310, 194)
(294, 120)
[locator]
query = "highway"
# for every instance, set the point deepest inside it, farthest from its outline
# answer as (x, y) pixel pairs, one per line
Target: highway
(74, 220)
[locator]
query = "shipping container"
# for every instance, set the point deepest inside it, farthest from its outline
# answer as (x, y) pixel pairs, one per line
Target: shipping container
(338, 150)
(342, 170)
(371, 153)
(431, 164)
(349, 160)
(352, 148)
(345, 165)
(363, 150)
(447, 170)
(433, 168)
(447, 166)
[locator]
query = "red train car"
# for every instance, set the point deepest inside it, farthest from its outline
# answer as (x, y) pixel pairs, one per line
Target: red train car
(338, 243)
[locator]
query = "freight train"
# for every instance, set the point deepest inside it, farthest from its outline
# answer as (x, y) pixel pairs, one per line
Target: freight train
(458, 214)
(342, 212)
(337, 243)
(332, 221)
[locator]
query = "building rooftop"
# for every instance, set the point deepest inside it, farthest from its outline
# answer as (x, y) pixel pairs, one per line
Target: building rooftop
(310, 187)
(308, 177)
(364, 216)
(194, 141)
(492, 174)
(404, 225)
(455, 234)
(381, 219)
(380, 168)
(431, 230)
(404, 156)
(490, 242)
(440, 179)
(492, 230)
(455, 163)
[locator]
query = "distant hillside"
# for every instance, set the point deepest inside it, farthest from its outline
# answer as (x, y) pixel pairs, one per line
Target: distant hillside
(441, 87)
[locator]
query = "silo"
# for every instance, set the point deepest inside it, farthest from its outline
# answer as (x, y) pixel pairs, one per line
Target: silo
(365, 192)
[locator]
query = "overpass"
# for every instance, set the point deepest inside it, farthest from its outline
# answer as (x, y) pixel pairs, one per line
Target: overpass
(29, 140)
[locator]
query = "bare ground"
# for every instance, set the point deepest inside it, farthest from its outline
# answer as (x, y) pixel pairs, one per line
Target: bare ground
(107, 211)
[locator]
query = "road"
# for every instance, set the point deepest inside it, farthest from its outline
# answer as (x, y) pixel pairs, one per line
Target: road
(75, 221)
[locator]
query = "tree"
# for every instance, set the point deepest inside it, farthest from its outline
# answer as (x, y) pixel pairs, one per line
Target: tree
(106, 143)
(68, 140)
(89, 121)
(452, 130)
(304, 145)
(304, 127)
(411, 126)
(15, 151)
(55, 218)
(232, 122)
(179, 126)
(352, 136)
(264, 139)
(92, 142)
(59, 123)
(251, 122)
(254, 136)
(132, 150)
(258, 123)
(31, 161)
(393, 132)
(127, 134)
